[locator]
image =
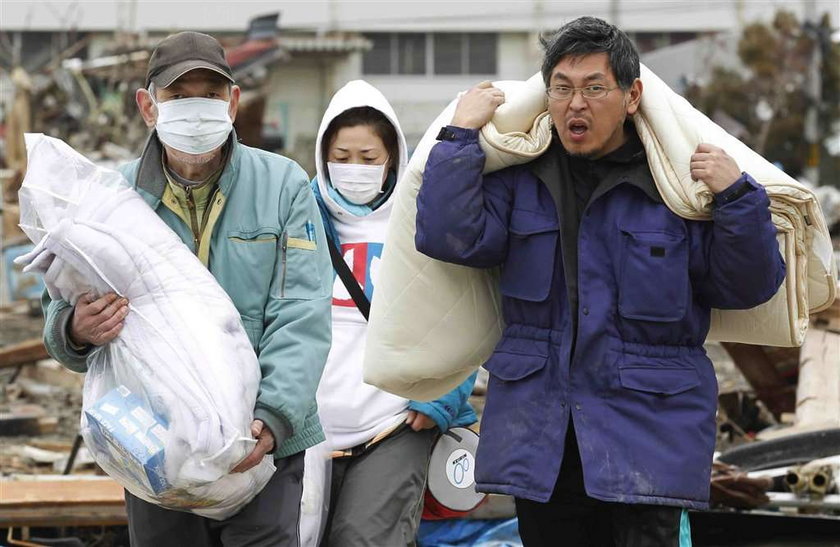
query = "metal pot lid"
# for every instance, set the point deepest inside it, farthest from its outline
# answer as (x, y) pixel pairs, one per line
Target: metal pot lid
(452, 468)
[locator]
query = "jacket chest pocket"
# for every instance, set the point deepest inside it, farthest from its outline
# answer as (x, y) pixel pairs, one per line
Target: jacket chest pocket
(298, 277)
(653, 282)
(529, 266)
(251, 259)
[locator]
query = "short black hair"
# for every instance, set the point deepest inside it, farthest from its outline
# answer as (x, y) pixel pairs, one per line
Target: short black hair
(367, 116)
(587, 35)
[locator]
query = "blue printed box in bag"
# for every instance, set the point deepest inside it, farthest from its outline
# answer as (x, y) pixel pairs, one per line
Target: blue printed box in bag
(122, 425)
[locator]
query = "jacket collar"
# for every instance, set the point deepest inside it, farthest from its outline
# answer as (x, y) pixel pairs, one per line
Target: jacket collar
(548, 169)
(151, 179)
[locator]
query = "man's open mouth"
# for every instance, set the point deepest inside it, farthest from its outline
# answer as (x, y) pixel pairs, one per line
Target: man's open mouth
(577, 127)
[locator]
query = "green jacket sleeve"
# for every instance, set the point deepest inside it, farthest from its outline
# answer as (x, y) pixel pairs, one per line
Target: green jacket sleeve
(297, 327)
(57, 314)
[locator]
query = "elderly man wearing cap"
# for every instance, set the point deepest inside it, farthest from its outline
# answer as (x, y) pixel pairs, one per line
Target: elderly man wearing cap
(250, 218)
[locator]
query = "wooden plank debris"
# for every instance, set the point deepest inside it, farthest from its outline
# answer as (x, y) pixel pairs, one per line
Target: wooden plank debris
(763, 376)
(47, 503)
(50, 372)
(24, 353)
(26, 419)
(33, 493)
(818, 392)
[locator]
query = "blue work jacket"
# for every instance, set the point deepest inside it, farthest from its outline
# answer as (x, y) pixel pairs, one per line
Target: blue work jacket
(630, 373)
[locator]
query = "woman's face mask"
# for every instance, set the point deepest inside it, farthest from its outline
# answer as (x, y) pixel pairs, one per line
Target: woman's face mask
(358, 183)
(358, 164)
(193, 125)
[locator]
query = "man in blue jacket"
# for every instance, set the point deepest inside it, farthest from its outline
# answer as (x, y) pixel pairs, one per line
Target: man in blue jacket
(601, 403)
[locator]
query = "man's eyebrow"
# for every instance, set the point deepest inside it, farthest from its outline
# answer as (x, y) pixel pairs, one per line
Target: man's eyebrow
(588, 77)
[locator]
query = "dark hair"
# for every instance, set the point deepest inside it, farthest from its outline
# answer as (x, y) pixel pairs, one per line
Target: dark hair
(587, 35)
(368, 116)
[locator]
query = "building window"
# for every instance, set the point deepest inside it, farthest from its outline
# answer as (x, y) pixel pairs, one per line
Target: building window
(449, 58)
(431, 54)
(411, 53)
(464, 53)
(392, 53)
(482, 54)
(377, 60)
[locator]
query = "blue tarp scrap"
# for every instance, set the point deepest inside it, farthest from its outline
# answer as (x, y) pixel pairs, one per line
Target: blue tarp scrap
(469, 533)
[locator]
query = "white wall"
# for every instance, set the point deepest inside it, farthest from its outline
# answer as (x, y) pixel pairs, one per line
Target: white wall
(403, 15)
(520, 55)
(296, 89)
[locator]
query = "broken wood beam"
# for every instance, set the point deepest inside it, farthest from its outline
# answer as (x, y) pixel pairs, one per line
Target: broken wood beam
(818, 391)
(23, 353)
(49, 516)
(763, 376)
(26, 420)
(49, 503)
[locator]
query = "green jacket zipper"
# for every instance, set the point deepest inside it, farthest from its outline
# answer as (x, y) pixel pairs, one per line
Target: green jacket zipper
(197, 230)
(284, 245)
(193, 219)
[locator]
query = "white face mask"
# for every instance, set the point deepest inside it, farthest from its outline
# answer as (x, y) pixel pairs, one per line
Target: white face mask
(193, 126)
(358, 183)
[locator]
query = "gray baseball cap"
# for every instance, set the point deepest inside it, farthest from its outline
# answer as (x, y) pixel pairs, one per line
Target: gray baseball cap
(179, 53)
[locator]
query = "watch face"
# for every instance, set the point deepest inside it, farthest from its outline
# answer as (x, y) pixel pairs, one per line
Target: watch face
(445, 135)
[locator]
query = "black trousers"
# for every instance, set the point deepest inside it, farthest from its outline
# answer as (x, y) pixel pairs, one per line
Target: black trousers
(269, 520)
(573, 519)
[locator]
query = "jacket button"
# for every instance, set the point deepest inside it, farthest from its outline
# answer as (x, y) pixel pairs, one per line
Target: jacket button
(577, 406)
(585, 311)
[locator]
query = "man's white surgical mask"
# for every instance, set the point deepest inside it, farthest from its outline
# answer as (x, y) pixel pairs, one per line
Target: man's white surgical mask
(194, 125)
(358, 183)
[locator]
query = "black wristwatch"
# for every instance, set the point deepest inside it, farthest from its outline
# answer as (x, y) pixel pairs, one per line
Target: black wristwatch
(734, 192)
(446, 134)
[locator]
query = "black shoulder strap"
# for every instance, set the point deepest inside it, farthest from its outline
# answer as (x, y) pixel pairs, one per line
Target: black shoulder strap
(353, 287)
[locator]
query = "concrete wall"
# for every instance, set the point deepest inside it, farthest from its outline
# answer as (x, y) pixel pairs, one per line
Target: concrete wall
(298, 94)
(520, 55)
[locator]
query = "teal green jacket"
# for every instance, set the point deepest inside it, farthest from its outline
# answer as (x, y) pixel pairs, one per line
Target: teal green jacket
(264, 243)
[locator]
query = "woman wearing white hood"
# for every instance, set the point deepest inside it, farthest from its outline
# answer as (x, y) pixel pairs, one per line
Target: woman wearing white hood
(380, 442)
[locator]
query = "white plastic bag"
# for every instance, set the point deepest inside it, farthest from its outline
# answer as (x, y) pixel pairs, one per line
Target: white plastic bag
(315, 500)
(168, 404)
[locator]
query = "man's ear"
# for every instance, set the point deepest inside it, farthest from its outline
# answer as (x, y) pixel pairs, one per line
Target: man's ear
(635, 97)
(147, 108)
(235, 92)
